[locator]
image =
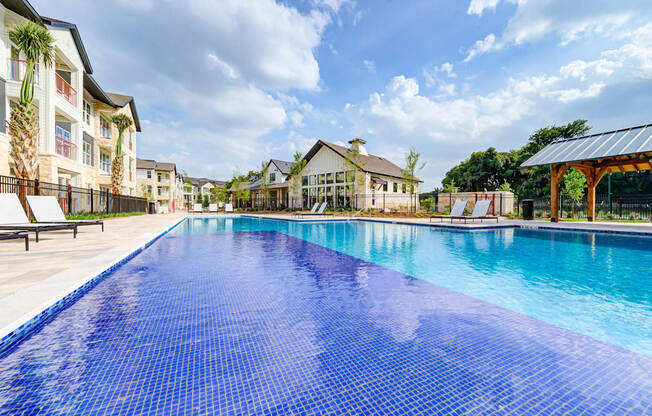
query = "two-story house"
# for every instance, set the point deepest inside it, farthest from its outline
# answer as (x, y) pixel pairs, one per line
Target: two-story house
(274, 189)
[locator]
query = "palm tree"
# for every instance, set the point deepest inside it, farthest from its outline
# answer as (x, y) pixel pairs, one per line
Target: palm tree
(122, 122)
(36, 43)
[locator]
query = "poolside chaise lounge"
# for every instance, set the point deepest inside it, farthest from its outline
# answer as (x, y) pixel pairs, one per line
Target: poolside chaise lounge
(47, 209)
(12, 217)
(228, 207)
(479, 212)
(320, 212)
(312, 210)
(197, 208)
(457, 211)
(212, 208)
(14, 235)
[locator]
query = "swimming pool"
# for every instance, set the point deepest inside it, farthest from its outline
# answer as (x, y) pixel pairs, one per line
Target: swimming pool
(237, 315)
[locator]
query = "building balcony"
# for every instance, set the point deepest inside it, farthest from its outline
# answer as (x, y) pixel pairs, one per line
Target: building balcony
(17, 69)
(66, 90)
(66, 148)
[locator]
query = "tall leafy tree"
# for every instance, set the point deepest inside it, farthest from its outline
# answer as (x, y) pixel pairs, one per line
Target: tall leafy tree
(36, 43)
(410, 170)
(295, 173)
(122, 123)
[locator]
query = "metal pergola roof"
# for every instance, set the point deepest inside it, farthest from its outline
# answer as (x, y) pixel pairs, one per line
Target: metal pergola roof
(610, 144)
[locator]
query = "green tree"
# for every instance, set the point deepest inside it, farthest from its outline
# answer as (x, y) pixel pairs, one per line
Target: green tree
(355, 178)
(412, 166)
(220, 193)
(295, 173)
(450, 187)
(122, 122)
(264, 184)
(36, 43)
(574, 185)
(206, 201)
(505, 187)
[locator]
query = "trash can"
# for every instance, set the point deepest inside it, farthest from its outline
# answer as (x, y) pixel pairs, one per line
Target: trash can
(528, 209)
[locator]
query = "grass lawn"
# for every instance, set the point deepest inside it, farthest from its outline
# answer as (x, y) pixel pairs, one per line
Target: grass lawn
(101, 216)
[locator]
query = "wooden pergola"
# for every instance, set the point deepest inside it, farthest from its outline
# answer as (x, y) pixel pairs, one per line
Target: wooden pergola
(594, 156)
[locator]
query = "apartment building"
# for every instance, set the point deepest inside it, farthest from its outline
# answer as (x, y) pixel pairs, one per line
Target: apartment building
(158, 181)
(76, 140)
(201, 187)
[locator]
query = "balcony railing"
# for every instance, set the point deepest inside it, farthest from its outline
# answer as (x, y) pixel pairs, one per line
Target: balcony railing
(65, 89)
(66, 148)
(17, 69)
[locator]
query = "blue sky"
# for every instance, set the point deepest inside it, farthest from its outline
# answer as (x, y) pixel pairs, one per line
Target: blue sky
(222, 85)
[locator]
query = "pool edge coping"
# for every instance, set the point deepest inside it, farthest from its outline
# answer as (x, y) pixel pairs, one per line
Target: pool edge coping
(26, 324)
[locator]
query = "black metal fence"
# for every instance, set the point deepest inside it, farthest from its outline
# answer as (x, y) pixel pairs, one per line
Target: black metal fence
(619, 207)
(73, 200)
(379, 202)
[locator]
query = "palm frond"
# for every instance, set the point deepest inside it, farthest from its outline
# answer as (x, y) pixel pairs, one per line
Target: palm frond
(34, 41)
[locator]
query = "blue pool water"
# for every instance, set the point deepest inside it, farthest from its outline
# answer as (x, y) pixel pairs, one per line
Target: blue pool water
(245, 316)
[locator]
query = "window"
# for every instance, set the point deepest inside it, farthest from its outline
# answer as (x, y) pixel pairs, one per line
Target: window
(149, 174)
(385, 187)
(105, 128)
(395, 186)
(304, 181)
(404, 188)
(330, 177)
(321, 178)
(339, 177)
(313, 179)
(87, 113)
(88, 153)
(105, 162)
(272, 177)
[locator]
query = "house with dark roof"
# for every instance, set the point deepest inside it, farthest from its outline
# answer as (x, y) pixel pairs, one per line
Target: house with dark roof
(351, 177)
(272, 190)
(202, 187)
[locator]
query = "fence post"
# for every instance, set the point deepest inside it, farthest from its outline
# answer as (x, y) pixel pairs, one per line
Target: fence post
(37, 188)
(92, 201)
(69, 199)
(107, 201)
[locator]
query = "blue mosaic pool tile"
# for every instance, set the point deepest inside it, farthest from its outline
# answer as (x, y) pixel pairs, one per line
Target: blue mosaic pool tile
(263, 323)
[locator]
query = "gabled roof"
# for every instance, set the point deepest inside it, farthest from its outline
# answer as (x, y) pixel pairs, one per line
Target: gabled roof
(121, 101)
(370, 163)
(96, 91)
(609, 144)
(152, 164)
(203, 181)
(283, 166)
(23, 8)
(75, 36)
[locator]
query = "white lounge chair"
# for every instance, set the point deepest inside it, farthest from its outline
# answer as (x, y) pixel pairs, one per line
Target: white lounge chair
(12, 217)
(15, 234)
(479, 212)
(457, 211)
(228, 207)
(312, 210)
(212, 208)
(197, 208)
(47, 209)
(318, 213)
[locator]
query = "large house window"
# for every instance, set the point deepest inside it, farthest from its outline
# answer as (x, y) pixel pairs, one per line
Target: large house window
(87, 112)
(395, 187)
(105, 162)
(330, 177)
(88, 153)
(339, 177)
(149, 174)
(272, 177)
(321, 178)
(105, 128)
(304, 181)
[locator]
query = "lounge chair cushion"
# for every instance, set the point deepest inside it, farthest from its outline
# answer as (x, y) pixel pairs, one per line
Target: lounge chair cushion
(11, 210)
(46, 208)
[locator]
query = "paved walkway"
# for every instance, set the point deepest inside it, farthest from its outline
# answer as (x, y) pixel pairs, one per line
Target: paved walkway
(56, 265)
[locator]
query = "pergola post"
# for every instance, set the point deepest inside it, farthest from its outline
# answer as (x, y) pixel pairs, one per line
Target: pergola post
(557, 172)
(590, 193)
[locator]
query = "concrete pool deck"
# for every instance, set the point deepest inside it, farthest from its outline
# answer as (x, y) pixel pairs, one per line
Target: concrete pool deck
(31, 281)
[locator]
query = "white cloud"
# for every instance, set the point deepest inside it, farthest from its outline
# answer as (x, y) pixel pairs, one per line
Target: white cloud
(482, 46)
(334, 5)
(478, 6)
(369, 65)
(296, 118)
(432, 75)
(567, 20)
